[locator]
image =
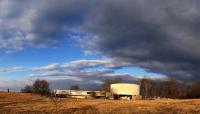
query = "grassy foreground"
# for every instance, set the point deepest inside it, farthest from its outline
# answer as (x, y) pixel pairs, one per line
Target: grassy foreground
(22, 103)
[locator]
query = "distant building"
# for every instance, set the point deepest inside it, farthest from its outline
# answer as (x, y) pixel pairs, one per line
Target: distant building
(99, 94)
(73, 93)
(61, 93)
(125, 91)
(117, 91)
(80, 94)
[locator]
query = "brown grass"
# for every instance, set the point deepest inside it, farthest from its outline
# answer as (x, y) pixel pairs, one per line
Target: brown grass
(22, 103)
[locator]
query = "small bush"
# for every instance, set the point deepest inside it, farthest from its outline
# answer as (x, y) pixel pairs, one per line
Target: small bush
(27, 89)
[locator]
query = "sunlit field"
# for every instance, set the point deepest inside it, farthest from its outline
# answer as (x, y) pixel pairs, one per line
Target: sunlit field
(11, 103)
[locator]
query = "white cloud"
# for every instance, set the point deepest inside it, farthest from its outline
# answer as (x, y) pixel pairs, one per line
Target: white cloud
(84, 64)
(53, 66)
(11, 69)
(81, 74)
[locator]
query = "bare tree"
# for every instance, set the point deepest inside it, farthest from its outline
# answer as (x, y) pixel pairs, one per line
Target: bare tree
(106, 84)
(145, 87)
(194, 90)
(41, 87)
(173, 90)
(183, 90)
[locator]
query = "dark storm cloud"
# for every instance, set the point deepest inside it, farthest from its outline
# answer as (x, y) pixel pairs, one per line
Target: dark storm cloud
(58, 18)
(160, 36)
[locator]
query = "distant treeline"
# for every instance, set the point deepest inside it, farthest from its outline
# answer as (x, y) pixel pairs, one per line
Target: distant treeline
(149, 88)
(161, 88)
(169, 88)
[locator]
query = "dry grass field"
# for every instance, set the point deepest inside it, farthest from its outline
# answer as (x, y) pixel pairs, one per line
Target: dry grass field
(21, 103)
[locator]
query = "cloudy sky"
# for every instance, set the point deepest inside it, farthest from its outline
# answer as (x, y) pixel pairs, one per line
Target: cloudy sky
(86, 41)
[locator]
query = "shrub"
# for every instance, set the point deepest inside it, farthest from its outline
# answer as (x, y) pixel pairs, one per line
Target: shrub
(27, 89)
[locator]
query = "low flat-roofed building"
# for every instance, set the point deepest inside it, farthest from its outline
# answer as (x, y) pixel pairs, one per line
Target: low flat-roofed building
(73, 93)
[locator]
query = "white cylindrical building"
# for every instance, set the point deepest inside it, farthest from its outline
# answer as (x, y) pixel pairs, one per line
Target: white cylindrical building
(124, 90)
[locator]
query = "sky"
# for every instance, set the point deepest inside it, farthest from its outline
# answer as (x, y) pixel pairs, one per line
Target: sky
(70, 42)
